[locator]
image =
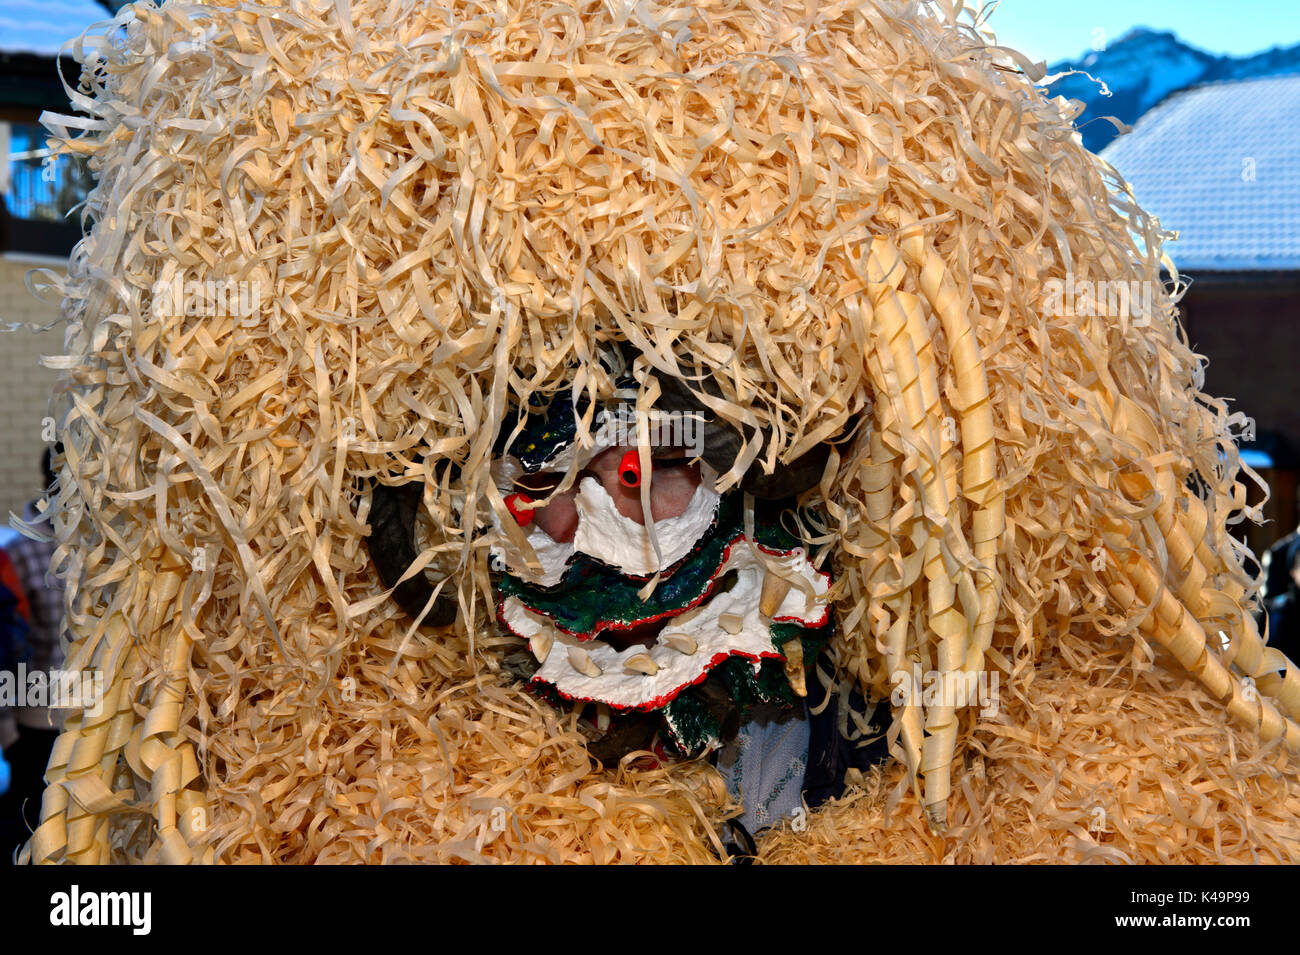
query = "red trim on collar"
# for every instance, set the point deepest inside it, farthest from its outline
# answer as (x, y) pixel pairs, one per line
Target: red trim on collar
(708, 591)
(661, 701)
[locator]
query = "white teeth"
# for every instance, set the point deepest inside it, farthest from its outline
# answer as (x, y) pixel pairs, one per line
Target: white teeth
(602, 717)
(733, 623)
(581, 661)
(540, 644)
(794, 666)
(681, 642)
(641, 663)
(774, 590)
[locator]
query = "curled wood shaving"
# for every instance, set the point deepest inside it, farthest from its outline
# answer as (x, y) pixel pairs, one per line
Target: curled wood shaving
(848, 216)
(1097, 764)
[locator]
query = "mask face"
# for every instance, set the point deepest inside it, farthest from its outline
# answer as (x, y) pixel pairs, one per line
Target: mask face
(667, 619)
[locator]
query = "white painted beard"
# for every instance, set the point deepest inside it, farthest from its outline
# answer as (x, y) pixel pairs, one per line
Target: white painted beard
(606, 535)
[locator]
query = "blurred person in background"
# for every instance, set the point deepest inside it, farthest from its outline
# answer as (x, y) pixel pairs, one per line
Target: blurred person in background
(15, 627)
(1284, 603)
(1277, 572)
(37, 726)
(15, 622)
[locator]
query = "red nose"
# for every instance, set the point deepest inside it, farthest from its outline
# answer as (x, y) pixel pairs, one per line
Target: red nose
(522, 515)
(629, 469)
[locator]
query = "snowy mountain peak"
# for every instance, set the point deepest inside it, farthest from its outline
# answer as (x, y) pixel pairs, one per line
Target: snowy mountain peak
(1143, 67)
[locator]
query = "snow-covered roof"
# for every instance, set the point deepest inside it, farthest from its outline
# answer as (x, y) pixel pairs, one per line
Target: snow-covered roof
(42, 26)
(1220, 164)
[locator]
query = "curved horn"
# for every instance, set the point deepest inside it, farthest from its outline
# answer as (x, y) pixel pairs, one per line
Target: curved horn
(392, 551)
(722, 444)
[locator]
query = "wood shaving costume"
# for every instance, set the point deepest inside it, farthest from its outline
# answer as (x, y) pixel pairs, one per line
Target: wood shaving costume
(366, 285)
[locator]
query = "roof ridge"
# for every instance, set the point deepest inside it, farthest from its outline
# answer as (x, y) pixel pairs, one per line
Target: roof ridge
(1293, 74)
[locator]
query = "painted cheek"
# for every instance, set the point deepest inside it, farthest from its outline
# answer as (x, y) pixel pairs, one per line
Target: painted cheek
(559, 519)
(626, 499)
(671, 491)
(604, 467)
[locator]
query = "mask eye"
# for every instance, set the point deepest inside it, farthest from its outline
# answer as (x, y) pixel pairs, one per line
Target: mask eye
(523, 515)
(629, 469)
(661, 459)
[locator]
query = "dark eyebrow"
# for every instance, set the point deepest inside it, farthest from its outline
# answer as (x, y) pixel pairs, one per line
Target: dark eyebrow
(546, 481)
(539, 480)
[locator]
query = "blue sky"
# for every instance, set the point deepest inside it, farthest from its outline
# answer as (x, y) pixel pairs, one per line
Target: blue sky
(1052, 30)
(1044, 29)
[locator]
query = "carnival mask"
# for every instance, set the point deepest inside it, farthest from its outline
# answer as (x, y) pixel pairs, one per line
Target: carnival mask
(670, 608)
